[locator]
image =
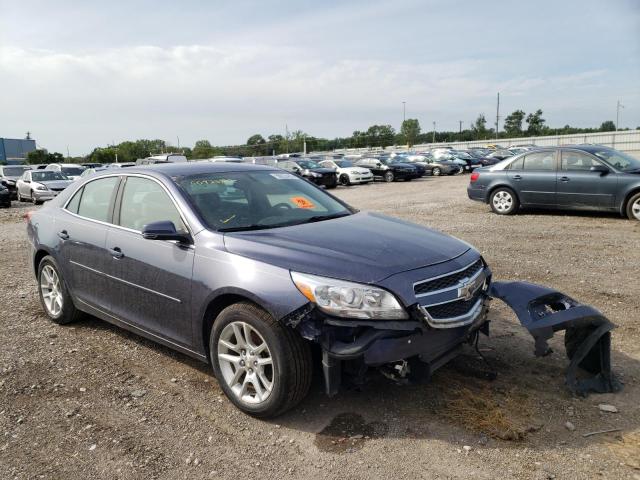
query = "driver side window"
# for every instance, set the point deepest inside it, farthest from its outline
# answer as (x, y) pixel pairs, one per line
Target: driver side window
(144, 201)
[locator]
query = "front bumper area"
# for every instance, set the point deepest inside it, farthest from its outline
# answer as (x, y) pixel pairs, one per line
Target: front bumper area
(43, 195)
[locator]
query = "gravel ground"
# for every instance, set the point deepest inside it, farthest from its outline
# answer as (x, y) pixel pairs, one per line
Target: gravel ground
(93, 401)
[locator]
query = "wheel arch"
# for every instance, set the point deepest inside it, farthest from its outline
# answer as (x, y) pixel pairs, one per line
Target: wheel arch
(623, 206)
(493, 188)
(220, 300)
(37, 258)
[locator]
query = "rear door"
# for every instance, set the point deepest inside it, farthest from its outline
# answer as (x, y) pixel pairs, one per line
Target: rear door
(82, 231)
(534, 178)
(579, 186)
(151, 286)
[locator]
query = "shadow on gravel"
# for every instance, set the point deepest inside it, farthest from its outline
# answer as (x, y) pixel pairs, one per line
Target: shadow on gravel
(527, 404)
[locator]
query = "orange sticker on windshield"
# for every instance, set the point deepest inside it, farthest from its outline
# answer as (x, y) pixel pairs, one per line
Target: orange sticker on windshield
(302, 202)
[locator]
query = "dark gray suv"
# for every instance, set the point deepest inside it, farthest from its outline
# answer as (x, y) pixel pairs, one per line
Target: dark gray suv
(247, 267)
(580, 176)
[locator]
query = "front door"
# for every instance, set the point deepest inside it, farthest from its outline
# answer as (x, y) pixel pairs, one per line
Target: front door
(151, 278)
(579, 186)
(534, 178)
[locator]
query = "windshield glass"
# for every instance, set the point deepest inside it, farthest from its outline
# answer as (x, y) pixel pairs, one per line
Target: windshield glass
(73, 171)
(14, 171)
(236, 201)
(620, 160)
(46, 175)
(308, 164)
(344, 163)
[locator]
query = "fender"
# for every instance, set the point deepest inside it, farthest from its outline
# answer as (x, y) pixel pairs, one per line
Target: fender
(543, 311)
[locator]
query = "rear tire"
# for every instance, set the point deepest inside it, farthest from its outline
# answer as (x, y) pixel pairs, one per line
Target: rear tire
(633, 207)
(276, 386)
(54, 296)
(436, 172)
(504, 201)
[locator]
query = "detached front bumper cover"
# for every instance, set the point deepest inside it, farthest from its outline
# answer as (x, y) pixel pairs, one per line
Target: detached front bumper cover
(543, 311)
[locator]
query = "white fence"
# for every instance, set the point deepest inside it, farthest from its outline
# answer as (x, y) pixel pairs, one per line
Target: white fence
(626, 141)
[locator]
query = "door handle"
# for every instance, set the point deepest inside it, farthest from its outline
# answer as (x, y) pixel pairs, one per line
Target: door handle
(63, 235)
(564, 179)
(116, 252)
(517, 177)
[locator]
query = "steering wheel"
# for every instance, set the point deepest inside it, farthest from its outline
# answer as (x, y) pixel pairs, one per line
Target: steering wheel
(283, 205)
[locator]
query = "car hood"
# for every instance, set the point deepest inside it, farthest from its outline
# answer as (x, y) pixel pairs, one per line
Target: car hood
(356, 170)
(364, 247)
(55, 183)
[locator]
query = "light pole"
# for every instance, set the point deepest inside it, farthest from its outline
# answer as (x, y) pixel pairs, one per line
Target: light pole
(433, 138)
(618, 107)
(404, 111)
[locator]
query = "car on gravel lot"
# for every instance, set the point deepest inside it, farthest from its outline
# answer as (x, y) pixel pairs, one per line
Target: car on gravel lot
(389, 169)
(348, 173)
(248, 266)
(312, 171)
(572, 177)
(5, 196)
(10, 174)
(38, 186)
(70, 170)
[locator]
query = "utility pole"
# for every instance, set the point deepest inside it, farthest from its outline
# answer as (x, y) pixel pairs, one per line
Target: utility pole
(286, 130)
(498, 116)
(433, 139)
(178, 141)
(68, 156)
(460, 122)
(404, 111)
(618, 107)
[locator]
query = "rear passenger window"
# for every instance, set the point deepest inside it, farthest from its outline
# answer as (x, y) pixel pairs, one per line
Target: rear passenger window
(540, 161)
(96, 198)
(73, 205)
(144, 201)
(516, 164)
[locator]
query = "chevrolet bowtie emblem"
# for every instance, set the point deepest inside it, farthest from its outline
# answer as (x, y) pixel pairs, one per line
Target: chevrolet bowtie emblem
(469, 287)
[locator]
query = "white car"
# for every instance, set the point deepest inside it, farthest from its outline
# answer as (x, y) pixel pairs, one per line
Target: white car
(70, 170)
(40, 185)
(348, 173)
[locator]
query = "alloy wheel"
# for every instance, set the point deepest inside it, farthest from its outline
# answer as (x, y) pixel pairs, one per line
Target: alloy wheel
(635, 209)
(51, 290)
(503, 201)
(245, 362)
(436, 172)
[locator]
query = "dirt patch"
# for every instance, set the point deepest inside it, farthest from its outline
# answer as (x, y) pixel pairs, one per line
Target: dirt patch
(627, 448)
(347, 433)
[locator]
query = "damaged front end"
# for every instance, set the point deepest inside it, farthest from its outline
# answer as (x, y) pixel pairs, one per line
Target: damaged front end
(543, 311)
(448, 311)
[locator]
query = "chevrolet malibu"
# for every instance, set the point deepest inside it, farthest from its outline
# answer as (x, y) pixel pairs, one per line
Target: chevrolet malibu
(247, 266)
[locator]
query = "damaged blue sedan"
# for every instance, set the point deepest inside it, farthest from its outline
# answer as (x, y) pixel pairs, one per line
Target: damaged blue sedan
(248, 267)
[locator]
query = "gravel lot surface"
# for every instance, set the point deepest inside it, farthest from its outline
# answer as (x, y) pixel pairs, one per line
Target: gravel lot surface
(93, 401)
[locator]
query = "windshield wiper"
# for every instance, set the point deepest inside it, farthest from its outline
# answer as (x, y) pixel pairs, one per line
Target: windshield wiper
(246, 228)
(320, 218)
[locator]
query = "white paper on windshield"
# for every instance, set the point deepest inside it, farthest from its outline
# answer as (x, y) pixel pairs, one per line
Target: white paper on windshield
(283, 176)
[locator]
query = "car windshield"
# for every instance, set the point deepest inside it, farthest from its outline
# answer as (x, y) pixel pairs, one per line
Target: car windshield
(620, 160)
(47, 175)
(308, 164)
(237, 201)
(72, 171)
(344, 163)
(14, 171)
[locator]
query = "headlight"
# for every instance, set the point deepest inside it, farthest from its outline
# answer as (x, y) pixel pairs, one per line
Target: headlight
(39, 186)
(350, 300)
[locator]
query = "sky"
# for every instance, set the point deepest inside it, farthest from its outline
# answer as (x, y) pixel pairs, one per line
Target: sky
(83, 74)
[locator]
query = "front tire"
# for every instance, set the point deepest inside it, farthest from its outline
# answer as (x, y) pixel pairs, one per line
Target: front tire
(344, 180)
(54, 296)
(388, 177)
(436, 172)
(504, 201)
(262, 366)
(633, 207)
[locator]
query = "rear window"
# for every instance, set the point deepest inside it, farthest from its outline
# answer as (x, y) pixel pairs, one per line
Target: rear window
(96, 199)
(541, 161)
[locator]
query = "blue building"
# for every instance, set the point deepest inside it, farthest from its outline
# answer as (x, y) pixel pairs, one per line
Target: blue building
(15, 150)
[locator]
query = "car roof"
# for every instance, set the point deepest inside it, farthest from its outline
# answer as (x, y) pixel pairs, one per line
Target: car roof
(197, 168)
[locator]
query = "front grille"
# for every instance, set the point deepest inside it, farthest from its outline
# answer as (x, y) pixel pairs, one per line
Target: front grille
(448, 281)
(57, 189)
(453, 309)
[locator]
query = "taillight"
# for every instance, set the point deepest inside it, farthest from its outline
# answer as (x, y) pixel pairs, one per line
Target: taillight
(27, 216)
(474, 176)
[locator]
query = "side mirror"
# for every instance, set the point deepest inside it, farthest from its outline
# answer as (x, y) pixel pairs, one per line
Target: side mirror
(164, 230)
(600, 169)
(296, 169)
(378, 164)
(26, 181)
